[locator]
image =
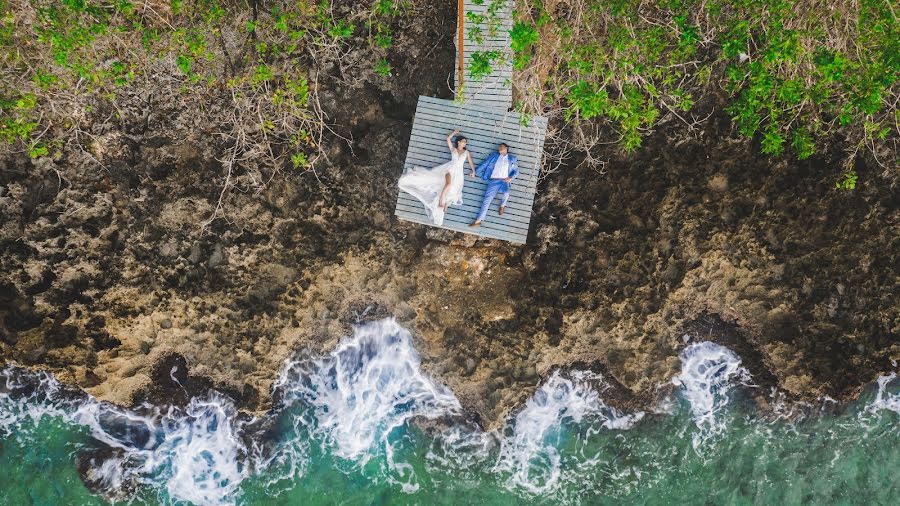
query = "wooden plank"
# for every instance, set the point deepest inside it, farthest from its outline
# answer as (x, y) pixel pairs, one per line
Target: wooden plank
(520, 196)
(462, 219)
(524, 179)
(484, 117)
(500, 102)
(502, 37)
(520, 201)
(465, 217)
(527, 147)
(490, 88)
(434, 149)
(441, 105)
(497, 80)
(472, 204)
(430, 141)
(501, 47)
(491, 85)
(496, 85)
(469, 213)
(516, 137)
(515, 220)
(444, 104)
(498, 21)
(536, 124)
(491, 128)
(516, 215)
(511, 133)
(423, 155)
(461, 224)
(479, 145)
(486, 234)
(522, 188)
(427, 160)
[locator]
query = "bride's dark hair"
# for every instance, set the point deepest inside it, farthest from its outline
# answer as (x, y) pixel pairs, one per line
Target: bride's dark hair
(457, 139)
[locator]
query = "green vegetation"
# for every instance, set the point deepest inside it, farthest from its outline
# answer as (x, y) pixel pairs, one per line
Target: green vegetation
(482, 63)
(383, 68)
(796, 74)
(59, 59)
(523, 37)
(793, 77)
(847, 181)
(379, 23)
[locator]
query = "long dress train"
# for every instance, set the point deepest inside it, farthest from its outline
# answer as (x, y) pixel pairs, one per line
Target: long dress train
(427, 185)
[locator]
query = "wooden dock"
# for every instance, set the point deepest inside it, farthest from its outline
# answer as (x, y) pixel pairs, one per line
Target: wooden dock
(485, 128)
(482, 113)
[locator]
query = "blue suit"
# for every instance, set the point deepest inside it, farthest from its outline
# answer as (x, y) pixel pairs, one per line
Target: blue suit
(495, 186)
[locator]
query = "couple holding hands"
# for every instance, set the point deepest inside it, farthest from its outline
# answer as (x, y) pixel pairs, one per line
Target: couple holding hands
(439, 187)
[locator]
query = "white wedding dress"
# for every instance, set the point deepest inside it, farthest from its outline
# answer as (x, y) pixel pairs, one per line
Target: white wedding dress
(427, 185)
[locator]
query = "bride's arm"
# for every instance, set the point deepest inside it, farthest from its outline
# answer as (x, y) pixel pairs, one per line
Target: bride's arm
(450, 140)
(471, 163)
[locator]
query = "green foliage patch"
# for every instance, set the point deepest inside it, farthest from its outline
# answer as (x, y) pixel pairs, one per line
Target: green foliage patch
(796, 74)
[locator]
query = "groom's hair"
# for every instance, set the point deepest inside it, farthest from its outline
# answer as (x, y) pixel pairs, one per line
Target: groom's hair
(505, 145)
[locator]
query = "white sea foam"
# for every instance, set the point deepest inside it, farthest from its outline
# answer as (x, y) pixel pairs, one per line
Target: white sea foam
(887, 397)
(461, 447)
(191, 454)
(352, 401)
(370, 385)
(709, 371)
(27, 398)
(530, 454)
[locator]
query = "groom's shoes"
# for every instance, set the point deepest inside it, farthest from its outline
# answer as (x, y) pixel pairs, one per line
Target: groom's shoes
(501, 210)
(475, 224)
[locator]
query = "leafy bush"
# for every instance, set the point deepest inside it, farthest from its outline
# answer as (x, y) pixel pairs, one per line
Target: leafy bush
(244, 68)
(795, 73)
(481, 64)
(383, 68)
(523, 37)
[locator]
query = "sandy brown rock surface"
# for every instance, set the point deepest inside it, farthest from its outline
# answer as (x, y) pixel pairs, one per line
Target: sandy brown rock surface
(110, 279)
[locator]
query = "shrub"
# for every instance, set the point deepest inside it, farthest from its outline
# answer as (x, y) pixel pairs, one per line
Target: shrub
(794, 77)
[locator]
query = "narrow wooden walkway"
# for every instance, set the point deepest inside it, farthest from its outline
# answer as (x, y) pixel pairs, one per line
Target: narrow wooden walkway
(485, 128)
(482, 113)
(486, 29)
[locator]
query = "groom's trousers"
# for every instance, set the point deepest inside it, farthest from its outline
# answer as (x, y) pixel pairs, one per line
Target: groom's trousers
(494, 186)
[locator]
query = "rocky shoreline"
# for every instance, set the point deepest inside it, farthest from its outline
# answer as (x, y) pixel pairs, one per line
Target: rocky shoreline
(110, 281)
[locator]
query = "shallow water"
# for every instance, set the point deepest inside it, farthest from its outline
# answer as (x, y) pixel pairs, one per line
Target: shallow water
(344, 432)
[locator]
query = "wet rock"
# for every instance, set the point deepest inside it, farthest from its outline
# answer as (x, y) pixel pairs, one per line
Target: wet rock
(471, 365)
(217, 257)
(718, 183)
(405, 312)
(194, 256)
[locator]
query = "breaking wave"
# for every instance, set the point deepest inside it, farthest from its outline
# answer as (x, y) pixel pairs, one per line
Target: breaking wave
(367, 409)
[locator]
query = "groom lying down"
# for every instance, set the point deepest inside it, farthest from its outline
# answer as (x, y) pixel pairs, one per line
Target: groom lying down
(498, 170)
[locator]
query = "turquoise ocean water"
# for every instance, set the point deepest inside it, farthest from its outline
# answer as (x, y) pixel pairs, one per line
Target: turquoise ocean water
(364, 425)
